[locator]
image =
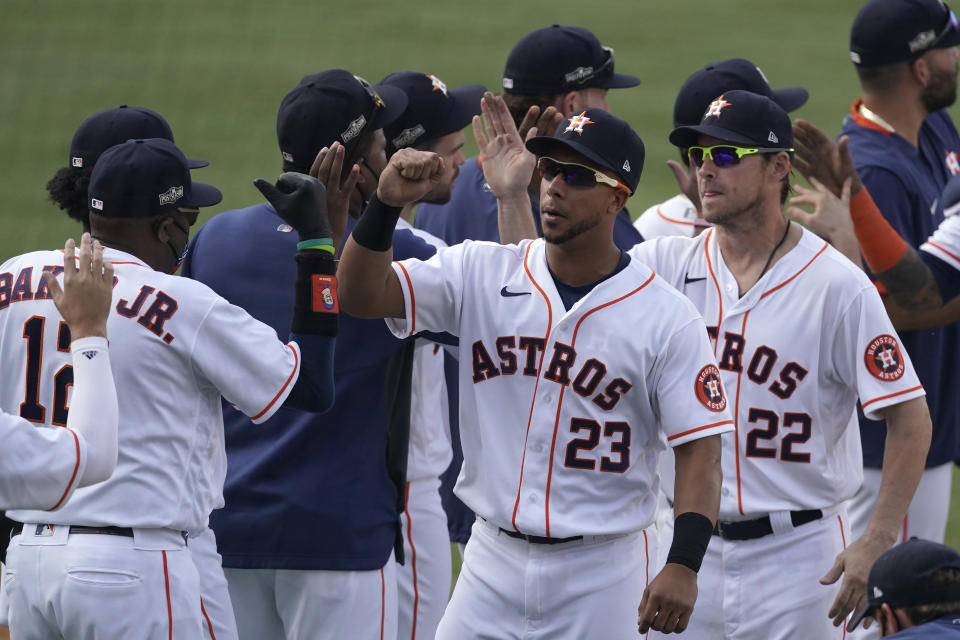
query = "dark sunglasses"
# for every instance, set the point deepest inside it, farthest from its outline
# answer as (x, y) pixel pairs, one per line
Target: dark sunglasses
(575, 175)
(952, 25)
(725, 155)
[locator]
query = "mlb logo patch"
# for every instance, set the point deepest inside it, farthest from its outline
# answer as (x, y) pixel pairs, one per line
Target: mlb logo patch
(96, 204)
(76, 162)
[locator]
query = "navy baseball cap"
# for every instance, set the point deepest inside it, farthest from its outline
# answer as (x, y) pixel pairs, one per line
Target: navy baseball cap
(890, 31)
(604, 139)
(433, 110)
(558, 59)
(145, 178)
(107, 128)
(900, 577)
(332, 106)
(740, 117)
(735, 73)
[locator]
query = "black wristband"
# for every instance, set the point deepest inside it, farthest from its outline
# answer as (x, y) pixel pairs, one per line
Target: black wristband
(315, 306)
(691, 534)
(374, 229)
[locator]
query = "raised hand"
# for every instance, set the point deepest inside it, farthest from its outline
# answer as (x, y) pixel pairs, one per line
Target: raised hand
(409, 175)
(301, 201)
(328, 169)
(818, 157)
(84, 301)
(507, 165)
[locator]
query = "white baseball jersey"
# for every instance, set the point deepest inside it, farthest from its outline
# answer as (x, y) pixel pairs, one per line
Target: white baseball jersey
(945, 241)
(430, 450)
(673, 217)
(794, 353)
(560, 411)
(175, 347)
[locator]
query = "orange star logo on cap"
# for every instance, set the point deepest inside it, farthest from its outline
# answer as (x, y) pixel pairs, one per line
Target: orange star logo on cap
(716, 107)
(438, 84)
(577, 123)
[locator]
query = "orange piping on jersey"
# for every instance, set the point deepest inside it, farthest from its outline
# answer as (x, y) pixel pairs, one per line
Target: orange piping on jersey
(802, 269)
(413, 562)
(863, 405)
(413, 301)
(713, 276)
(213, 636)
(865, 122)
(383, 602)
(673, 220)
(736, 415)
(296, 360)
(938, 247)
(556, 422)
(546, 339)
(166, 584)
(76, 468)
(706, 426)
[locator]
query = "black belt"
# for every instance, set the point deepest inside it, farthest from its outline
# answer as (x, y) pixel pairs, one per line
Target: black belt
(126, 532)
(538, 539)
(760, 527)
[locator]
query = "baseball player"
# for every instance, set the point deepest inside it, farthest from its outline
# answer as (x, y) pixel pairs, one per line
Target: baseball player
(560, 413)
(314, 559)
(41, 467)
(549, 72)
(176, 348)
(433, 121)
(793, 458)
(906, 148)
(678, 216)
(68, 190)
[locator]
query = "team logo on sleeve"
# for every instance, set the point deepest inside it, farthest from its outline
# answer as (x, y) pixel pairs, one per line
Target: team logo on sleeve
(883, 358)
(709, 389)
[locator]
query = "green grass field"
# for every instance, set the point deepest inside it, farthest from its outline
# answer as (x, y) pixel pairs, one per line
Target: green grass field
(217, 70)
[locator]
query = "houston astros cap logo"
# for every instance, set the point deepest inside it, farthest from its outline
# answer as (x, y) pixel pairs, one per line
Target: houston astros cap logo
(438, 85)
(709, 389)
(577, 123)
(883, 358)
(716, 107)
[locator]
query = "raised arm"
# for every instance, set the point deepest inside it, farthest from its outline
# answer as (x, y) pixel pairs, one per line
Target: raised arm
(507, 166)
(369, 287)
(897, 265)
(84, 302)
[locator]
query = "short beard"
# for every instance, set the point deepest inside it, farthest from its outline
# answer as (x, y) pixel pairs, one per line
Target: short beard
(573, 232)
(941, 92)
(725, 217)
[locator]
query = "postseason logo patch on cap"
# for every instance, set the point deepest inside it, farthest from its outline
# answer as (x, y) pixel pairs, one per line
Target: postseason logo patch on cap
(354, 129)
(171, 195)
(408, 136)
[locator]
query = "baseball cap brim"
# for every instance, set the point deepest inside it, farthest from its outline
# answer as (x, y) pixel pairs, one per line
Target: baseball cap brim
(688, 136)
(614, 81)
(466, 104)
(201, 195)
(196, 163)
(790, 98)
(396, 103)
(543, 145)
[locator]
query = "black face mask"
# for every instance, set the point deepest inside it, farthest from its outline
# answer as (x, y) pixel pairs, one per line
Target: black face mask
(178, 256)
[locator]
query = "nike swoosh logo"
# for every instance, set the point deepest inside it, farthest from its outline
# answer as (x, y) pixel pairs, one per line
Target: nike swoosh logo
(688, 279)
(510, 294)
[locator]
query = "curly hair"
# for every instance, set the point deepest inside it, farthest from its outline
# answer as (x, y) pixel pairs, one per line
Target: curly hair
(68, 190)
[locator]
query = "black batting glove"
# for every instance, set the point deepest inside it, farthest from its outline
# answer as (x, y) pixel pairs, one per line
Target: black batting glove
(301, 201)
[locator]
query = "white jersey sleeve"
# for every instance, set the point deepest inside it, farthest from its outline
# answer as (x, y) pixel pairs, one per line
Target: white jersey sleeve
(255, 373)
(39, 465)
(688, 395)
(945, 242)
(434, 304)
(867, 350)
(673, 217)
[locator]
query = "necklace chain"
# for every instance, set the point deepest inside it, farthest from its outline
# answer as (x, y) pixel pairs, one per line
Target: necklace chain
(777, 246)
